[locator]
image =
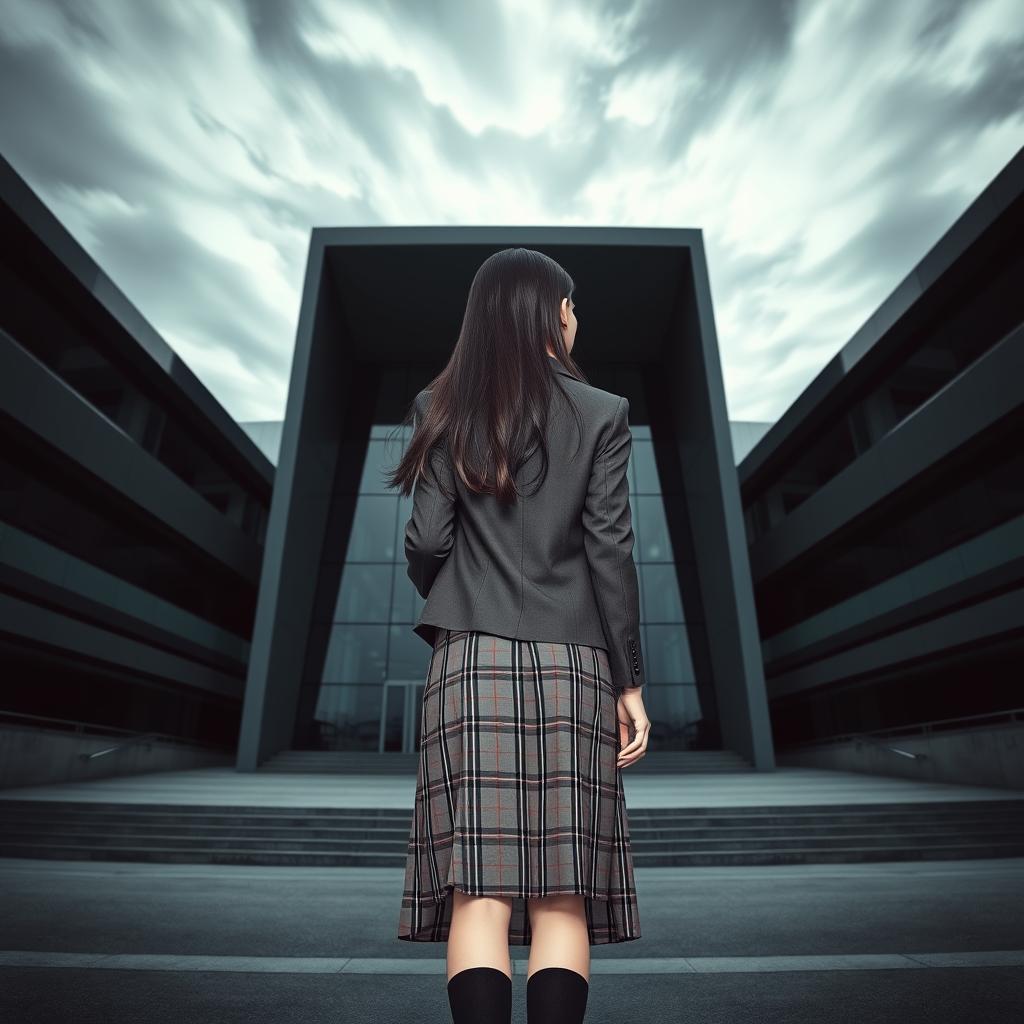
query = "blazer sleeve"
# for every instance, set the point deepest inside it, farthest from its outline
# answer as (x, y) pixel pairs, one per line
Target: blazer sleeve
(608, 540)
(430, 531)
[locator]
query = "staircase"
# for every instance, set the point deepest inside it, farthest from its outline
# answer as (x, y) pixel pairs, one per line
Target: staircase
(197, 834)
(362, 762)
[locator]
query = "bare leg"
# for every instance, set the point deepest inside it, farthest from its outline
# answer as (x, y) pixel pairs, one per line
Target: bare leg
(559, 934)
(479, 933)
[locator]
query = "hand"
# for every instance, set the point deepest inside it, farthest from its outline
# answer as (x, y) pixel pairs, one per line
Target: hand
(631, 714)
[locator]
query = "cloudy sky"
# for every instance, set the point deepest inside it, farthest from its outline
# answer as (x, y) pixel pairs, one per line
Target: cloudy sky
(822, 146)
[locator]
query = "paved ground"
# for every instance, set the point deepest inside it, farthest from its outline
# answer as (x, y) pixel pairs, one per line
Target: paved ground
(907, 942)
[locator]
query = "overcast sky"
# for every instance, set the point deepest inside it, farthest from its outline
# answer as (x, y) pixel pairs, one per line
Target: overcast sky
(822, 146)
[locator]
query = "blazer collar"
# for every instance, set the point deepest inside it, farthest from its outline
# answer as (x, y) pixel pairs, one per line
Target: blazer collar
(557, 366)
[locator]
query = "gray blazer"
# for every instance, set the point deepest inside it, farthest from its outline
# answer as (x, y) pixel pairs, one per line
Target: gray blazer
(558, 564)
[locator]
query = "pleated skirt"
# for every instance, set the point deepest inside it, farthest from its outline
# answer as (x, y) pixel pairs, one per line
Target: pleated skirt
(517, 791)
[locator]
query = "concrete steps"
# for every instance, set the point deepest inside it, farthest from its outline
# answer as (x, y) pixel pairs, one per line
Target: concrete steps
(378, 837)
(353, 762)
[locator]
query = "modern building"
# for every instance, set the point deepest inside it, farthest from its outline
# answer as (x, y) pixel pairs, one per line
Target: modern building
(885, 517)
(133, 513)
(164, 587)
(335, 664)
(267, 436)
(745, 434)
(375, 595)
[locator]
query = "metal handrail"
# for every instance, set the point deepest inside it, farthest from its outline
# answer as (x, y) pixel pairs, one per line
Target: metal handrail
(863, 736)
(84, 728)
(147, 736)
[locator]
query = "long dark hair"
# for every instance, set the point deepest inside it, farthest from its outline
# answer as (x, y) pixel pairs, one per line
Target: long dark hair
(495, 391)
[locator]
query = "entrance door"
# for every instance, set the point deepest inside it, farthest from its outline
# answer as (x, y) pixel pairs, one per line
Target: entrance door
(400, 709)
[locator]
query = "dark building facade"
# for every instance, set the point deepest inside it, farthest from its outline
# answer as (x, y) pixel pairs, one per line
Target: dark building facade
(376, 604)
(885, 517)
(133, 515)
(861, 573)
(335, 664)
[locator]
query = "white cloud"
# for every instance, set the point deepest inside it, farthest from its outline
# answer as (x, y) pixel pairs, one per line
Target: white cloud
(191, 146)
(645, 95)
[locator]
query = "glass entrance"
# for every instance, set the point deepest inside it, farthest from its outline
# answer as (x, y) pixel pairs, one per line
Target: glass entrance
(400, 712)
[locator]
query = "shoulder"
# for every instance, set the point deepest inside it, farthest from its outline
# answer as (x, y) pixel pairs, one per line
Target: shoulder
(421, 403)
(604, 407)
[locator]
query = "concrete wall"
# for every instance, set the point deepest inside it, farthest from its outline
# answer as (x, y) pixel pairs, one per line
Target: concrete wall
(982, 756)
(33, 756)
(319, 393)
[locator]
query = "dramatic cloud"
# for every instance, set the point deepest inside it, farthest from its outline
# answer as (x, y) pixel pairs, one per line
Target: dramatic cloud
(822, 147)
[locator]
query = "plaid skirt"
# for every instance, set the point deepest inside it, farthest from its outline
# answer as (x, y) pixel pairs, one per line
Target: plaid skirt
(517, 792)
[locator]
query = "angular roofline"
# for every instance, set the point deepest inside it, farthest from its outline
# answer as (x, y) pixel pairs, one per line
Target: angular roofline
(174, 375)
(1004, 189)
(475, 234)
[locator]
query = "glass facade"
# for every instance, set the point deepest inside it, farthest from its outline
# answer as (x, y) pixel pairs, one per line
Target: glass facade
(374, 665)
(975, 491)
(120, 613)
(48, 497)
(72, 343)
(898, 610)
(76, 554)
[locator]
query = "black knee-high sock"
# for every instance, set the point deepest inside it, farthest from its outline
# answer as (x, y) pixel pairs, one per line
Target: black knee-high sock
(556, 995)
(480, 995)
